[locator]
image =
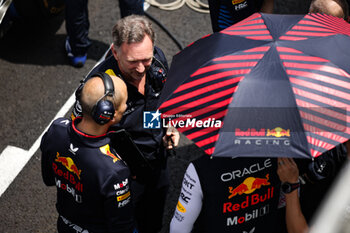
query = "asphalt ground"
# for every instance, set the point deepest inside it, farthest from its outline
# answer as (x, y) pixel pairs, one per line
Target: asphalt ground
(36, 81)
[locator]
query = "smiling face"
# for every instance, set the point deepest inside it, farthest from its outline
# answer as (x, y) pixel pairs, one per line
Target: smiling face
(134, 59)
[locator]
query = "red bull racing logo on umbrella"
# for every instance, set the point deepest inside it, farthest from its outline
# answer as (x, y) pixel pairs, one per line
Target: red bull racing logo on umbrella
(69, 164)
(276, 132)
(248, 186)
(276, 136)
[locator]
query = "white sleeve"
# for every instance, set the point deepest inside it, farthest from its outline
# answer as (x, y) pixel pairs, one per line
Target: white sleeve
(189, 204)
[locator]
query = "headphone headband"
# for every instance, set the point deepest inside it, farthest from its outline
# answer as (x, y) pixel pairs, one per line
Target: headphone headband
(103, 111)
(107, 82)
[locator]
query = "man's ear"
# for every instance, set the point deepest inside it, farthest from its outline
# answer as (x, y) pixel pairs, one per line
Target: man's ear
(114, 120)
(114, 51)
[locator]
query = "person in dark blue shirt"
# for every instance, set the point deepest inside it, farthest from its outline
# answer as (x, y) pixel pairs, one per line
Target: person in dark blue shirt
(92, 181)
(229, 195)
(224, 13)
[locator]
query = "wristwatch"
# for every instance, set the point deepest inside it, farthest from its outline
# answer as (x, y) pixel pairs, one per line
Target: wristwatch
(289, 187)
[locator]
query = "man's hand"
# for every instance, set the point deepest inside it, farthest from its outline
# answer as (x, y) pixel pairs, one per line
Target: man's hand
(287, 170)
(171, 138)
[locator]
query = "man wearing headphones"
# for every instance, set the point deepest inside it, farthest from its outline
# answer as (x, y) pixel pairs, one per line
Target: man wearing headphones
(92, 181)
(143, 67)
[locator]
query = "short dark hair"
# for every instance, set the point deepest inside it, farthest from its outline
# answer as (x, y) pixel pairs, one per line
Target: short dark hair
(132, 29)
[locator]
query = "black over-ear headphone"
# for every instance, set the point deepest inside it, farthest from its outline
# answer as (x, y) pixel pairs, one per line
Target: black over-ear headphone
(103, 111)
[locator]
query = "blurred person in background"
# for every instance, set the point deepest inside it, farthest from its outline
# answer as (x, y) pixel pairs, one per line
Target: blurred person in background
(337, 8)
(77, 26)
(224, 13)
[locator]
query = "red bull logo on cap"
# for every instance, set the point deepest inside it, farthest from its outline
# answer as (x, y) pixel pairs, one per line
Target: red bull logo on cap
(106, 150)
(278, 132)
(69, 164)
(248, 186)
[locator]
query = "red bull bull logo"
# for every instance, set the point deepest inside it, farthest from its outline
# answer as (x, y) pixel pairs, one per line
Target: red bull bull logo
(69, 164)
(278, 132)
(248, 186)
(106, 150)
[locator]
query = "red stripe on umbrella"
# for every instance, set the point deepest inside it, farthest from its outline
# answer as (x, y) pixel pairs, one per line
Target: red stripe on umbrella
(324, 68)
(240, 33)
(209, 151)
(256, 27)
(325, 122)
(329, 22)
(318, 22)
(323, 110)
(223, 66)
(208, 141)
(319, 143)
(300, 33)
(323, 133)
(193, 136)
(200, 102)
(319, 77)
(239, 57)
(334, 23)
(315, 153)
(209, 78)
(321, 88)
(320, 98)
(294, 38)
(308, 28)
(302, 58)
(252, 27)
(259, 37)
(199, 92)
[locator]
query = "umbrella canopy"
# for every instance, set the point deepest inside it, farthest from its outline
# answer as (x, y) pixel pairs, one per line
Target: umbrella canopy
(268, 86)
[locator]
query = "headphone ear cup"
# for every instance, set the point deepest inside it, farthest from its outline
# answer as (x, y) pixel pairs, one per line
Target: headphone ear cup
(103, 112)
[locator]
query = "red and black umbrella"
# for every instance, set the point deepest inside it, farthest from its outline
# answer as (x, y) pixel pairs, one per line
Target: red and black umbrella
(270, 85)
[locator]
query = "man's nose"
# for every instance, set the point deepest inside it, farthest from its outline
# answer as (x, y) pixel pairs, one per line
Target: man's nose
(140, 67)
